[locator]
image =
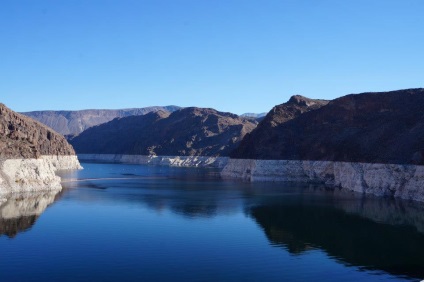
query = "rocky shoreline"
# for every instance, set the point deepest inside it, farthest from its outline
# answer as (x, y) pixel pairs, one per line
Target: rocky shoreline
(179, 161)
(394, 180)
(390, 180)
(27, 175)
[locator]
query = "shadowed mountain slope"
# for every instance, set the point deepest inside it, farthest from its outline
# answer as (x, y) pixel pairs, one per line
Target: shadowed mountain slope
(384, 127)
(186, 132)
(260, 141)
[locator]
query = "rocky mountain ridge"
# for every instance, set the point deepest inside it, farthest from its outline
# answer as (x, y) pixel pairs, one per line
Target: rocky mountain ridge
(381, 127)
(187, 132)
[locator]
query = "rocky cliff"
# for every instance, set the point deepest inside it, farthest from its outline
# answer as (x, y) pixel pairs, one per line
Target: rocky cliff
(393, 180)
(186, 132)
(385, 127)
(30, 153)
(75, 122)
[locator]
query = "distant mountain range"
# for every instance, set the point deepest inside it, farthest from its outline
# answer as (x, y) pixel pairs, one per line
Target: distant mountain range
(185, 132)
(75, 122)
(253, 115)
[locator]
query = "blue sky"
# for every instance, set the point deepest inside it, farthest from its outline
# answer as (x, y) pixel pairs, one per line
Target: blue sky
(232, 55)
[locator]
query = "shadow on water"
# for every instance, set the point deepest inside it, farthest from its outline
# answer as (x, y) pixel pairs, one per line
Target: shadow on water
(20, 211)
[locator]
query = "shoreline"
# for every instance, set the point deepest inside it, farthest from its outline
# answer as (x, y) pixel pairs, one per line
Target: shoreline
(178, 161)
(393, 180)
(28, 175)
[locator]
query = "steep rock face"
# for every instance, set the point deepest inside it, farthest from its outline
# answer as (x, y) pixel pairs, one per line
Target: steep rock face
(385, 127)
(186, 132)
(22, 137)
(75, 122)
(393, 180)
(263, 141)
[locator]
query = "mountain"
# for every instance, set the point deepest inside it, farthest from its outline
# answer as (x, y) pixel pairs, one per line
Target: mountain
(22, 137)
(384, 127)
(75, 122)
(186, 132)
(262, 140)
(253, 115)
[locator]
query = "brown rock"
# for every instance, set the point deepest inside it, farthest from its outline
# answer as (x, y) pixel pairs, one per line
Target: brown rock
(22, 137)
(186, 132)
(385, 127)
(263, 140)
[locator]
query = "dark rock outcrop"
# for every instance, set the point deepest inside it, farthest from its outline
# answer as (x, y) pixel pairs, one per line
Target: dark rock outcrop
(186, 132)
(22, 137)
(385, 127)
(74, 122)
(264, 139)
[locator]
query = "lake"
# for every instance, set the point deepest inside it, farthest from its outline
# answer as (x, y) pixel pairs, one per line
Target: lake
(118, 222)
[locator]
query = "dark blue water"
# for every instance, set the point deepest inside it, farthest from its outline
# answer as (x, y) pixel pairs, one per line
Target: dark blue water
(137, 223)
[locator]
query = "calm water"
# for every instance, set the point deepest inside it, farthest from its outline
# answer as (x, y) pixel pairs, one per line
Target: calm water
(137, 223)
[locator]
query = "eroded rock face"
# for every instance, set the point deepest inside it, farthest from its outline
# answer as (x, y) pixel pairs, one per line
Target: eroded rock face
(22, 137)
(393, 180)
(186, 132)
(385, 127)
(263, 141)
(74, 122)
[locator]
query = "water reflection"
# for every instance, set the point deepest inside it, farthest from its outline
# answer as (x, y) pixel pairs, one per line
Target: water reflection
(375, 234)
(20, 211)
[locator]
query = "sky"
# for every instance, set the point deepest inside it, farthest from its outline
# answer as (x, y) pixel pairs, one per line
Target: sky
(232, 55)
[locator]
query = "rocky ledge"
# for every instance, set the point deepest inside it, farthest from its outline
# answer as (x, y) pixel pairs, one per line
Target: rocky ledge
(394, 180)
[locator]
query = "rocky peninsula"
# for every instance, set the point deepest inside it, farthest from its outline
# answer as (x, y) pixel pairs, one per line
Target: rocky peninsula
(30, 153)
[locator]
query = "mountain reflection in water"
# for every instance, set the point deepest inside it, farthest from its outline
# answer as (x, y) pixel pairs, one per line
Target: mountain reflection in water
(20, 211)
(350, 237)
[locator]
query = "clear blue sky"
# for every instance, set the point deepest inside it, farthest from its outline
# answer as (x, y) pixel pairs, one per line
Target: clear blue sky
(232, 55)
